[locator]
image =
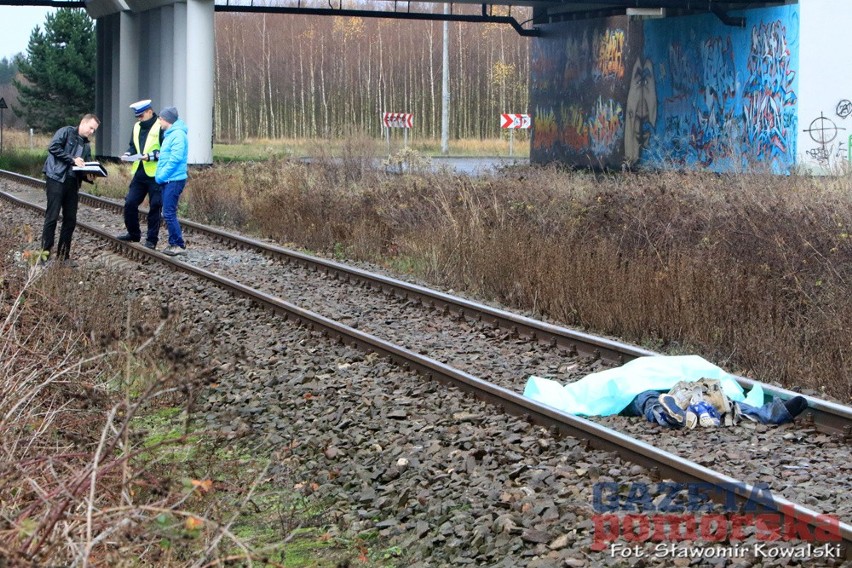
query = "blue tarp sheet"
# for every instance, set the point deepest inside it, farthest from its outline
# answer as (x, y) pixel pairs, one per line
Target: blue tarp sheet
(610, 391)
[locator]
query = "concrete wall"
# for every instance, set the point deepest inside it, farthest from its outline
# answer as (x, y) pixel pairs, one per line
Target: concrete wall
(825, 84)
(677, 92)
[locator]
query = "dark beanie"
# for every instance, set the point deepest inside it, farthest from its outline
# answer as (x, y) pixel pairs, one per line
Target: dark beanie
(169, 114)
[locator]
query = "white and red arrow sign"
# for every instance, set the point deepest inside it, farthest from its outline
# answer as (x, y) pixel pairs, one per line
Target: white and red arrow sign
(514, 121)
(397, 120)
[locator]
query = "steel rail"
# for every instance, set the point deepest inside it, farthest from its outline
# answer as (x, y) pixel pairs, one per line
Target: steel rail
(824, 415)
(661, 463)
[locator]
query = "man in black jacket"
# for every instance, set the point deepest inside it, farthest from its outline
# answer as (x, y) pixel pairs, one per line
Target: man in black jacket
(68, 148)
(144, 149)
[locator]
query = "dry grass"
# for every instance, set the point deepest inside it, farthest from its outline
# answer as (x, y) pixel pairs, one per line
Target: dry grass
(375, 145)
(751, 271)
(101, 463)
(71, 482)
(22, 141)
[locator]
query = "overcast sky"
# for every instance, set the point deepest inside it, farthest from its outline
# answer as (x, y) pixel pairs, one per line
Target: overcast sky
(18, 23)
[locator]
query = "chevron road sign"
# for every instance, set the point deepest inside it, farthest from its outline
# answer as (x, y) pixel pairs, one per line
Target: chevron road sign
(514, 121)
(397, 120)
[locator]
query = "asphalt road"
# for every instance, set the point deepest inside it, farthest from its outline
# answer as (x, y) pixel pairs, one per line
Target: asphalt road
(476, 166)
(462, 165)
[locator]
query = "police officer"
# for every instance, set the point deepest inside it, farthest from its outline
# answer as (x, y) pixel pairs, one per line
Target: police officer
(144, 151)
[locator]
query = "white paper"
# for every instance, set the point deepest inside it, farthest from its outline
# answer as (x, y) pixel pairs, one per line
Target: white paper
(91, 168)
(131, 158)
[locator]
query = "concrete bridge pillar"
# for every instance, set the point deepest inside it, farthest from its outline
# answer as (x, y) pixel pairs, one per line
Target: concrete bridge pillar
(154, 49)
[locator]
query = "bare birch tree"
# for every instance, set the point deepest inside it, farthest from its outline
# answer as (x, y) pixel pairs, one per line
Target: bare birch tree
(345, 72)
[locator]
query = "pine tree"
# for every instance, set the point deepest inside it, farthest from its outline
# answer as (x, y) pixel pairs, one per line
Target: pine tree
(59, 71)
(7, 71)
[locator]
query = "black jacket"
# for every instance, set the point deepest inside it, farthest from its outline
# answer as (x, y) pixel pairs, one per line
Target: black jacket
(66, 145)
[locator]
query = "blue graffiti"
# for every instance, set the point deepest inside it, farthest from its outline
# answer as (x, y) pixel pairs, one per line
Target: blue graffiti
(768, 94)
(683, 70)
(716, 132)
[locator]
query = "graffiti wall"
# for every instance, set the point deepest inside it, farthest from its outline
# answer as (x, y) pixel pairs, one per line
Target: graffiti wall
(825, 86)
(579, 90)
(681, 92)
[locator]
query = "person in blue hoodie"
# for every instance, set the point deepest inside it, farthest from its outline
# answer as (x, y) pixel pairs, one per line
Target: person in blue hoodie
(171, 175)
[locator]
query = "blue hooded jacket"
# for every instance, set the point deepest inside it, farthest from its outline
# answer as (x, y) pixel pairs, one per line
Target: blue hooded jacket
(173, 154)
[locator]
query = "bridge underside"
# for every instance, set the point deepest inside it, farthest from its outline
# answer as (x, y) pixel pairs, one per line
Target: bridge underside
(545, 11)
(164, 49)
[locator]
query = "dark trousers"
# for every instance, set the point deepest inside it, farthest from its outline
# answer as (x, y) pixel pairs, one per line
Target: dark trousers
(62, 196)
(141, 186)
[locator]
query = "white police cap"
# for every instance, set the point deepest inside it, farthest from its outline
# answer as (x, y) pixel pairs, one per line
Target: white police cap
(141, 106)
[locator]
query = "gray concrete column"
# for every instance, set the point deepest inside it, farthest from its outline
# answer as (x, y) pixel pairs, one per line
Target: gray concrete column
(199, 79)
(117, 53)
(161, 50)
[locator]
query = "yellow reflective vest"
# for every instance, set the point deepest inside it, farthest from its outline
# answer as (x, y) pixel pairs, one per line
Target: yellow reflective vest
(152, 142)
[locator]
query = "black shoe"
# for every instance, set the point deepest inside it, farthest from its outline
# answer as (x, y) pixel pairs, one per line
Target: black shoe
(796, 405)
(127, 238)
(673, 413)
(150, 245)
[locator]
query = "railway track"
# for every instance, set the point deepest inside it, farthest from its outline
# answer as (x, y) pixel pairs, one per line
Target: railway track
(827, 416)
